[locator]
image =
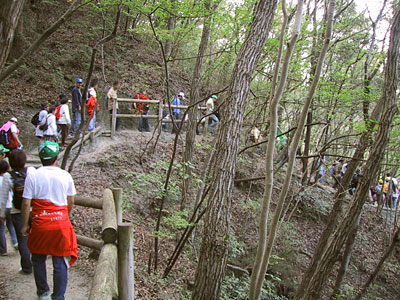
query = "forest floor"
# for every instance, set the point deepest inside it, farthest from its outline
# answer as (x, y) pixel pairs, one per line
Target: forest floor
(120, 163)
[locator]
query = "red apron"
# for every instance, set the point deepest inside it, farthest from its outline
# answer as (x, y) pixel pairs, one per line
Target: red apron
(52, 232)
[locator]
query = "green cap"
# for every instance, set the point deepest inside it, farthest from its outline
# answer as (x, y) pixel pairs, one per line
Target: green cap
(3, 149)
(48, 150)
(214, 96)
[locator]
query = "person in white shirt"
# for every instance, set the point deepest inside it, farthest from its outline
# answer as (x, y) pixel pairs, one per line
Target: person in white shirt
(50, 134)
(4, 167)
(42, 119)
(17, 159)
(64, 121)
(10, 127)
(111, 96)
(213, 121)
(50, 191)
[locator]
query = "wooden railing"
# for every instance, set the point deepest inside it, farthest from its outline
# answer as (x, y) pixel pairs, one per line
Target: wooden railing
(159, 116)
(114, 275)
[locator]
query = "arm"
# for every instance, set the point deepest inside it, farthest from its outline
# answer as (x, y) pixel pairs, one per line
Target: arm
(25, 209)
(70, 200)
(5, 189)
(15, 137)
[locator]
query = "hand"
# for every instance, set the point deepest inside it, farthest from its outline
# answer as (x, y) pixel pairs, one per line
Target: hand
(20, 147)
(79, 108)
(25, 230)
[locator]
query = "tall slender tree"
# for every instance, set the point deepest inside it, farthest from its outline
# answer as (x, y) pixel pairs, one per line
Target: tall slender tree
(214, 248)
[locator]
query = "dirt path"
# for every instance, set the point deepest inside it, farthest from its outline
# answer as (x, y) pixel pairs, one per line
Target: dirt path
(15, 286)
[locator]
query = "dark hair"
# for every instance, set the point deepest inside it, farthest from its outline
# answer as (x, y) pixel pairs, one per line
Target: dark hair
(94, 82)
(3, 166)
(116, 82)
(48, 162)
(63, 99)
(17, 159)
(44, 105)
(52, 109)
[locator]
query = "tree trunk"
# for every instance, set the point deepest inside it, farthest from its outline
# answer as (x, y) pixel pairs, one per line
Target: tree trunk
(215, 243)
(171, 26)
(259, 268)
(194, 98)
(326, 259)
(10, 12)
(294, 147)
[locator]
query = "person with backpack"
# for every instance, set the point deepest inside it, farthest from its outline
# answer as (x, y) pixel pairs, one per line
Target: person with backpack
(63, 120)
(76, 106)
(9, 133)
(41, 119)
(7, 220)
(111, 96)
(92, 106)
(50, 191)
(143, 110)
(50, 126)
(14, 181)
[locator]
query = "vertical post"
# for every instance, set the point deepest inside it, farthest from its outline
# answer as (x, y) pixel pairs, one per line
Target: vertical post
(126, 281)
(91, 137)
(117, 192)
(114, 117)
(160, 116)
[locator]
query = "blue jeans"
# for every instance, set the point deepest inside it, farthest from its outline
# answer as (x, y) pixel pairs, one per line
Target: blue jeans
(26, 263)
(11, 230)
(92, 122)
(214, 121)
(76, 121)
(176, 116)
(60, 276)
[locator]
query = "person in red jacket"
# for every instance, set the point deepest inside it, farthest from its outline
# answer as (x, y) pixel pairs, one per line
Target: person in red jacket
(92, 104)
(143, 110)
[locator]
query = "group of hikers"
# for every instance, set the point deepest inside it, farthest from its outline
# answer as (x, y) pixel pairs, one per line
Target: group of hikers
(35, 205)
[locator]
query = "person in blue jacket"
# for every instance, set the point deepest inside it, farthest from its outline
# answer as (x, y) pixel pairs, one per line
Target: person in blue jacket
(177, 111)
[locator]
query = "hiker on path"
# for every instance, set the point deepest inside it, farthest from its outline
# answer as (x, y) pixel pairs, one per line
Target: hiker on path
(51, 191)
(92, 106)
(64, 120)
(7, 220)
(213, 119)
(111, 96)
(42, 119)
(50, 130)
(76, 106)
(11, 130)
(143, 110)
(176, 112)
(14, 181)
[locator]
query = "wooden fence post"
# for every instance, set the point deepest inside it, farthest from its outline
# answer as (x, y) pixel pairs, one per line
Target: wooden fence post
(114, 118)
(160, 116)
(117, 192)
(126, 289)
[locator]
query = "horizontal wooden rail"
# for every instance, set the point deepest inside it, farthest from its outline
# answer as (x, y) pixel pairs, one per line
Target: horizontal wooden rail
(136, 116)
(137, 100)
(105, 283)
(89, 242)
(89, 202)
(110, 226)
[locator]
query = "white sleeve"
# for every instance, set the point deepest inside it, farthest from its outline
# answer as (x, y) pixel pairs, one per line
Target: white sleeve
(4, 193)
(71, 187)
(29, 186)
(67, 116)
(14, 128)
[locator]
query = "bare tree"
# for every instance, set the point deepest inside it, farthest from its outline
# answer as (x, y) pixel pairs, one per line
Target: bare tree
(214, 248)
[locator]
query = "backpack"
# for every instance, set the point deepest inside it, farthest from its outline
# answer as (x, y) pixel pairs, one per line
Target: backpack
(57, 114)
(4, 138)
(44, 126)
(18, 188)
(35, 119)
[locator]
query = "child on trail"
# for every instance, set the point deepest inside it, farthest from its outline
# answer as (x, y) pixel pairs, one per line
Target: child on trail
(92, 106)
(7, 220)
(50, 129)
(143, 110)
(51, 191)
(177, 111)
(12, 132)
(213, 119)
(64, 120)
(42, 119)
(14, 181)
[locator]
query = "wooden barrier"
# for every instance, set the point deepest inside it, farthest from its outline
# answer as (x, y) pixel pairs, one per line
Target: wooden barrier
(104, 286)
(126, 289)
(89, 202)
(110, 226)
(89, 242)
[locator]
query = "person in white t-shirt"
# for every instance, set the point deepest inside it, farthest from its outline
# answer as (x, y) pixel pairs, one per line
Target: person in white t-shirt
(50, 134)
(111, 96)
(51, 192)
(10, 127)
(42, 119)
(64, 121)
(213, 121)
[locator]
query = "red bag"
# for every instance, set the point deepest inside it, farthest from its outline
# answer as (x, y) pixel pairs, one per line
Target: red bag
(58, 112)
